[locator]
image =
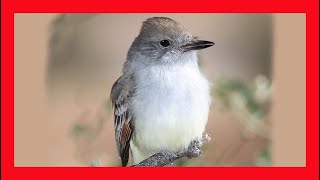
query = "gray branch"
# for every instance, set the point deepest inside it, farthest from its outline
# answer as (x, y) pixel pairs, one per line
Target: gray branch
(165, 157)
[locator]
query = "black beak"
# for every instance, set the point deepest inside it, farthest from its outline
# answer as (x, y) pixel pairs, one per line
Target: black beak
(196, 45)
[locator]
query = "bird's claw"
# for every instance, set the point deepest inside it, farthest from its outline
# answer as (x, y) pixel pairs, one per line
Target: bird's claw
(194, 149)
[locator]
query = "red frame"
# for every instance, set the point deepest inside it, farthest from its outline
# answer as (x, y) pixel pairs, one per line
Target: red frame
(310, 7)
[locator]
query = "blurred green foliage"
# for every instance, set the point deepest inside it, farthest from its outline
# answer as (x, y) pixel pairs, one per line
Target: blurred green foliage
(251, 104)
(236, 95)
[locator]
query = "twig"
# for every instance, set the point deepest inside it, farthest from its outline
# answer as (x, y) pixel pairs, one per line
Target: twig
(165, 157)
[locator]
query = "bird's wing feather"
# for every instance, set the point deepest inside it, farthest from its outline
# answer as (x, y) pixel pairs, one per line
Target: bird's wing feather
(121, 92)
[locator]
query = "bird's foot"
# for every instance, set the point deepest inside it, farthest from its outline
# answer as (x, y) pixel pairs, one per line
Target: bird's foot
(194, 149)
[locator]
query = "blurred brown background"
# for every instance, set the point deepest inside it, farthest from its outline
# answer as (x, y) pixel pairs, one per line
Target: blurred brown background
(65, 65)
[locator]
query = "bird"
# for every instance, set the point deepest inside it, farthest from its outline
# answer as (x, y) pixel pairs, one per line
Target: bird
(162, 100)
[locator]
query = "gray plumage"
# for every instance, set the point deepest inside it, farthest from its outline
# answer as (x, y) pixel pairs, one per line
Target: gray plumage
(161, 101)
(121, 93)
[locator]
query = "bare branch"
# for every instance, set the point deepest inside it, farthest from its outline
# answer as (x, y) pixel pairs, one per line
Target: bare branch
(165, 157)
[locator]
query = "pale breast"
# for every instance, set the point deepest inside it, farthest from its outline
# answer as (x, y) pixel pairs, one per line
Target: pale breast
(170, 107)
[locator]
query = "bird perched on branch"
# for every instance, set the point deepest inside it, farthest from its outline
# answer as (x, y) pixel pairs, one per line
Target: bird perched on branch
(161, 101)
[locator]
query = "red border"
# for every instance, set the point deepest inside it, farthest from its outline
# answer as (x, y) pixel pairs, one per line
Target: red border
(310, 7)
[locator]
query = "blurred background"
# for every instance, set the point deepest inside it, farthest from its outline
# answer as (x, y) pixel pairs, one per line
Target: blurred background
(63, 116)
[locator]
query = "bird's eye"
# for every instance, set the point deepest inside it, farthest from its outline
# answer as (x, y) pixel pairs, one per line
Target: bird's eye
(165, 43)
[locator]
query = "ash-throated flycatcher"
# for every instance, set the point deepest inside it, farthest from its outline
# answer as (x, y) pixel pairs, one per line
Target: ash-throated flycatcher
(161, 101)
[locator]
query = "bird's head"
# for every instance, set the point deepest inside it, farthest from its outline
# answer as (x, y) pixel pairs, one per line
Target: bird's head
(164, 41)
